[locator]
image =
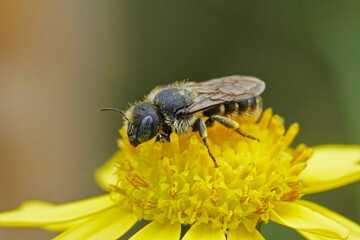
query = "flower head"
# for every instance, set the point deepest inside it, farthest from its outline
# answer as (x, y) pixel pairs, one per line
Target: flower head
(176, 183)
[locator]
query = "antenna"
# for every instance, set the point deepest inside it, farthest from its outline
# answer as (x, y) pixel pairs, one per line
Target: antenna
(114, 110)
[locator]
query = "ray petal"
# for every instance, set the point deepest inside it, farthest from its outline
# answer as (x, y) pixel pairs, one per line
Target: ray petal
(109, 224)
(332, 166)
(353, 227)
(158, 231)
(304, 219)
(105, 175)
(242, 233)
(62, 226)
(36, 213)
(204, 232)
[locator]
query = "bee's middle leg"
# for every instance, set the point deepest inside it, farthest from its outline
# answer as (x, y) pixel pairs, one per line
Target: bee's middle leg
(229, 123)
(201, 127)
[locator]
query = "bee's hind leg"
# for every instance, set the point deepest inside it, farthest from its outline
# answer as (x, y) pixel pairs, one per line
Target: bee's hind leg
(229, 123)
(201, 127)
(162, 138)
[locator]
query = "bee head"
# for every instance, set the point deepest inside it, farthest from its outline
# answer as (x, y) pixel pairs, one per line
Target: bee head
(145, 124)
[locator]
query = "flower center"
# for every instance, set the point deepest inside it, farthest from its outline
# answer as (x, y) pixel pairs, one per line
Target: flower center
(177, 181)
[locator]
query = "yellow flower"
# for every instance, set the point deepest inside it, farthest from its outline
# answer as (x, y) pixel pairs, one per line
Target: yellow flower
(174, 184)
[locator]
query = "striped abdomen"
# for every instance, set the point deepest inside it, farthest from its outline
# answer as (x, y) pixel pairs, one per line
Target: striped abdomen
(247, 109)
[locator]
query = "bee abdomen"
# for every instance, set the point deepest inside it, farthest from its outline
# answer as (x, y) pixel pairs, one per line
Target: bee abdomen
(245, 107)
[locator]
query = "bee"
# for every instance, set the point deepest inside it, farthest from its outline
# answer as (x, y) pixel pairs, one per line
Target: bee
(182, 107)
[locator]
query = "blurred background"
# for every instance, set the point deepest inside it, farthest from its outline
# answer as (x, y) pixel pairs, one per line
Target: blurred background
(62, 60)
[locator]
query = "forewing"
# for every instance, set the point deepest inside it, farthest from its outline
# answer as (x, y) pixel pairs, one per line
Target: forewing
(222, 90)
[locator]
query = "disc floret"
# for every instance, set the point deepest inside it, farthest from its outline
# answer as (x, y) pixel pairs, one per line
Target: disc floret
(177, 181)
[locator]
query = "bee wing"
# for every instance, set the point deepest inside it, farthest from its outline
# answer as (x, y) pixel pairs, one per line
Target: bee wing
(222, 90)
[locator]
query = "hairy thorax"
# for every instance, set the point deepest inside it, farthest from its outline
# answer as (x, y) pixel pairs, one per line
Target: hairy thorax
(168, 101)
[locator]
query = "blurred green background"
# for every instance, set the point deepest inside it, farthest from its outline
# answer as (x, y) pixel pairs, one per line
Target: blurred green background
(62, 60)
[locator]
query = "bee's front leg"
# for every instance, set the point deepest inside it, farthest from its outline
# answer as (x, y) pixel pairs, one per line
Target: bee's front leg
(163, 138)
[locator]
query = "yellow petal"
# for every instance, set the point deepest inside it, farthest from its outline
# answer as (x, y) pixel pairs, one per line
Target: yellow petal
(158, 231)
(62, 226)
(25, 210)
(353, 227)
(311, 236)
(34, 207)
(242, 233)
(204, 232)
(332, 166)
(304, 219)
(109, 224)
(105, 175)
(35, 214)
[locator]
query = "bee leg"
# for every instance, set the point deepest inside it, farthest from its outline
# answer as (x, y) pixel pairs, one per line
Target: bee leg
(201, 127)
(162, 138)
(229, 123)
(209, 122)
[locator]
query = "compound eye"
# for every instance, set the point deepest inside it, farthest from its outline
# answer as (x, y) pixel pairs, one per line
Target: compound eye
(145, 129)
